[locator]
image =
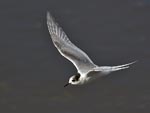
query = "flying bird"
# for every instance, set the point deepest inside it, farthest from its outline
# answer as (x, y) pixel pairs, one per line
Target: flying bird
(86, 69)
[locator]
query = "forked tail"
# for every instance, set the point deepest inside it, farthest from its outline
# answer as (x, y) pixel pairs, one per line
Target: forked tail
(109, 69)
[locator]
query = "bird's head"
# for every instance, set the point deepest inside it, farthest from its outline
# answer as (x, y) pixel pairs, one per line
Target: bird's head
(74, 80)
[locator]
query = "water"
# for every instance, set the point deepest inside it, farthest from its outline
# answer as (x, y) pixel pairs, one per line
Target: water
(32, 72)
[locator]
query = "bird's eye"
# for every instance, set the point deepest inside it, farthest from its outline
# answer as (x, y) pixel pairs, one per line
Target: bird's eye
(73, 80)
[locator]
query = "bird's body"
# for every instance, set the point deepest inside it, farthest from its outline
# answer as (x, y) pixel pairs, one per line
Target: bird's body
(86, 69)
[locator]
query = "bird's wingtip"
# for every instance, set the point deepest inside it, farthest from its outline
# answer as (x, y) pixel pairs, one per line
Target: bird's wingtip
(134, 62)
(49, 17)
(48, 14)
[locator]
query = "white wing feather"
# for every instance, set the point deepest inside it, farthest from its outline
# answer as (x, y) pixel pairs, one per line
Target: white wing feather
(67, 49)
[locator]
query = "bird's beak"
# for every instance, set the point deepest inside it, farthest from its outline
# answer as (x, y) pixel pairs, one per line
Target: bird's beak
(66, 85)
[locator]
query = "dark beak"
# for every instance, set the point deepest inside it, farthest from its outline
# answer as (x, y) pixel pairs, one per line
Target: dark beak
(66, 85)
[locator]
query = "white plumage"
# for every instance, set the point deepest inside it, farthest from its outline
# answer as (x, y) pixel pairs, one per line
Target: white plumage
(86, 69)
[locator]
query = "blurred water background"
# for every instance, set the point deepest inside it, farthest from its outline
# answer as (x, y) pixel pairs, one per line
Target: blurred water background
(111, 32)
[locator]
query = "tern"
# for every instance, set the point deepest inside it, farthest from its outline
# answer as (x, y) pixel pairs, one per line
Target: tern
(86, 69)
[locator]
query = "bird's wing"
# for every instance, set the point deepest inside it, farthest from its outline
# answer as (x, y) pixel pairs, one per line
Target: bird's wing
(104, 70)
(67, 49)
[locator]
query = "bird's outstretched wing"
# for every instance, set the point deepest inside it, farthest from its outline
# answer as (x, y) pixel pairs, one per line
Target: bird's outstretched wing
(67, 49)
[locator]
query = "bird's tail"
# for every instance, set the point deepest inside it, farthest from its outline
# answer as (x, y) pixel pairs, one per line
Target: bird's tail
(109, 69)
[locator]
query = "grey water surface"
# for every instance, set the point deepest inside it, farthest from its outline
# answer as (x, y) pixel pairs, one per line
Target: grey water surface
(111, 32)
